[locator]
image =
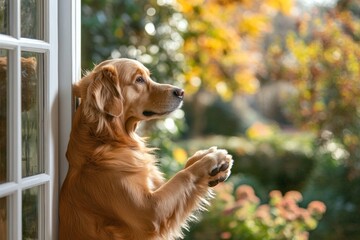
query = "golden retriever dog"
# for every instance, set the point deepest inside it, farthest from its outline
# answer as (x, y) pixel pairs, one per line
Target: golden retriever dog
(113, 188)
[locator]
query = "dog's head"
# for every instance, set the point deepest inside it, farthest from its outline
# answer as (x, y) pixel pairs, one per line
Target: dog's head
(122, 88)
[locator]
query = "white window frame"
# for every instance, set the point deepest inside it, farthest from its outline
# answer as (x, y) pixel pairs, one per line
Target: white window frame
(61, 50)
(14, 188)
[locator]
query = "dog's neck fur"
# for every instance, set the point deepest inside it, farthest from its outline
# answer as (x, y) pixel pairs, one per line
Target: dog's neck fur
(116, 131)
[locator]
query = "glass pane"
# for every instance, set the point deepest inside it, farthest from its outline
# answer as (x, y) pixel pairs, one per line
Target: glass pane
(32, 213)
(3, 114)
(31, 117)
(32, 19)
(3, 218)
(4, 17)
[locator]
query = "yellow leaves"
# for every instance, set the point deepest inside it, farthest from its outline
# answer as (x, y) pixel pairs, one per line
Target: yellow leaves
(192, 85)
(260, 131)
(224, 91)
(284, 6)
(326, 57)
(319, 106)
(247, 81)
(197, 26)
(303, 25)
(190, 47)
(213, 46)
(353, 64)
(253, 24)
(351, 139)
(350, 22)
(333, 55)
(188, 6)
(275, 50)
(180, 155)
(248, 4)
(222, 41)
(306, 54)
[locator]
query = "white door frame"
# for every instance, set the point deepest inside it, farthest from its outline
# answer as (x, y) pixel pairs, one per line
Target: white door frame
(69, 72)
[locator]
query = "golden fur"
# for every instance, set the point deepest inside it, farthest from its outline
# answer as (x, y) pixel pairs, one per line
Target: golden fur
(113, 188)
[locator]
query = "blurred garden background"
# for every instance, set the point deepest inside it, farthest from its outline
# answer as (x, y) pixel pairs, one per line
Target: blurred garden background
(276, 82)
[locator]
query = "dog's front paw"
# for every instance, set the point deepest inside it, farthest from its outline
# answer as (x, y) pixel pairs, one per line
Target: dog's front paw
(199, 155)
(212, 167)
(220, 167)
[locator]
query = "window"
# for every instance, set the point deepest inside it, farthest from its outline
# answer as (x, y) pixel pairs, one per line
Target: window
(28, 119)
(39, 44)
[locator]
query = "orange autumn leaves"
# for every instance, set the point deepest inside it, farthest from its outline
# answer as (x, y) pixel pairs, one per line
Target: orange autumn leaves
(222, 45)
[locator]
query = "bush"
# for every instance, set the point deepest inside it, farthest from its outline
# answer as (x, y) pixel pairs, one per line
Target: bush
(243, 216)
(330, 183)
(314, 167)
(281, 161)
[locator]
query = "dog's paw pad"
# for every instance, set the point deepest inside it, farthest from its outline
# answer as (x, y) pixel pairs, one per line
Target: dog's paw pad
(214, 172)
(213, 183)
(220, 168)
(223, 179)
(224, 166)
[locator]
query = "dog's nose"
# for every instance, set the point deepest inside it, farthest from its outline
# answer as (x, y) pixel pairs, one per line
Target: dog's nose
(178, 93)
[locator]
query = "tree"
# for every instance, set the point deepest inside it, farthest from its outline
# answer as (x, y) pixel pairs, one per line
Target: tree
(223, 42)
(321, 58)
(327, 73)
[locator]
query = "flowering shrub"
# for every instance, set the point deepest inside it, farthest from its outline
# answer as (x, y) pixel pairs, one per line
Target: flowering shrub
(246, 218)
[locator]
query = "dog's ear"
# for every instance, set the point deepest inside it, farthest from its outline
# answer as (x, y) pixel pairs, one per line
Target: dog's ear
(105, 91)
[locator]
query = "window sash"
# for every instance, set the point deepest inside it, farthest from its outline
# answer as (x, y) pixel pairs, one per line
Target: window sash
(13, 189)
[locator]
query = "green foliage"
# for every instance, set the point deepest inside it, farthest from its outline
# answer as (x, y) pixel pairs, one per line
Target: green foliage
(321, 58)
(324, 66)
(330, 183)
(281, 161)
(287, 161)
(142, 30)
(149, 31)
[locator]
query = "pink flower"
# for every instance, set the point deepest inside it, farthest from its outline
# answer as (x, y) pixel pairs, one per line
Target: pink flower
(246, 193)
(303, 236)
(225, 235)
(294, 195)
(276, 197)
(316, 208)
(304, 215)
(288, 209)
(263, 213)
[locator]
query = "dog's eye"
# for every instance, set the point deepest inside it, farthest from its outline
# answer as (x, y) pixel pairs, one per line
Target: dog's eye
(140, 80)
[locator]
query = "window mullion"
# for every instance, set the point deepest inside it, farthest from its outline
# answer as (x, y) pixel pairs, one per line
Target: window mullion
(15, 142)
(15, 19)
(14, 218)
(15, 114)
